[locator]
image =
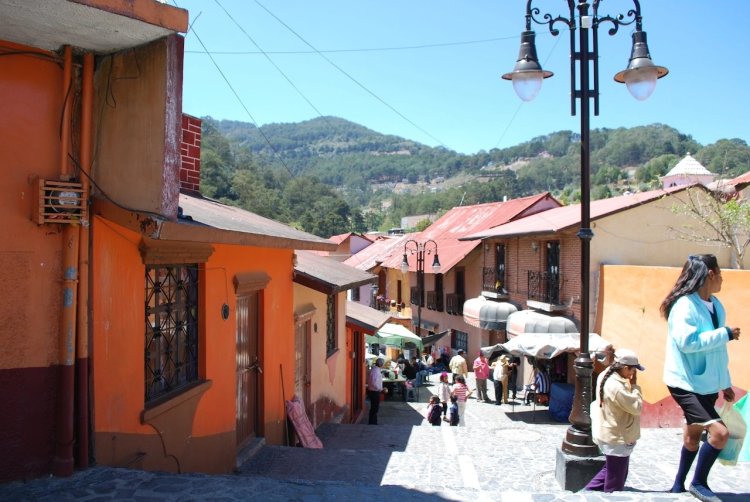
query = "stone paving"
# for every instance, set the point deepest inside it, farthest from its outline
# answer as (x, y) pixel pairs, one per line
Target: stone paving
(504, 454)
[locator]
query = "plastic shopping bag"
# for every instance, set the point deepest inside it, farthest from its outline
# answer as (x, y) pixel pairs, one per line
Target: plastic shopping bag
(743, 407)
(737, 431)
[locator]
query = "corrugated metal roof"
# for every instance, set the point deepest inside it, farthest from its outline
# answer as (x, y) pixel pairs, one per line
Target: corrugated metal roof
(205, 220)
(365, 316)
(338, 239)
(327, 275)
(383, 248)
(466, 220)
(741, 181)
(561, 218)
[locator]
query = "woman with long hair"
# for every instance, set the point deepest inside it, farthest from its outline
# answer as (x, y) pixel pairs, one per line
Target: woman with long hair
(696, 366)
(619, 425)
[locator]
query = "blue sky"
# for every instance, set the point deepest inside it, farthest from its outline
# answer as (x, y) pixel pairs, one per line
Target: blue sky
(429, 70)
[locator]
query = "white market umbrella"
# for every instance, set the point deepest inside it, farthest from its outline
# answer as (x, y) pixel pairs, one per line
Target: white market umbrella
(549, 345)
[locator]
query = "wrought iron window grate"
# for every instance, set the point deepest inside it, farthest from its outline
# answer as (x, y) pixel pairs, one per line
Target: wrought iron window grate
(171, 351)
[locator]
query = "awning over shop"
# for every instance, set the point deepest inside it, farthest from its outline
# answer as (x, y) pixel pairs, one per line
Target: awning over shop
(365, 317)
(530, 321)
(431, 339)
(486, 314)
(549, 345)
(395, 335)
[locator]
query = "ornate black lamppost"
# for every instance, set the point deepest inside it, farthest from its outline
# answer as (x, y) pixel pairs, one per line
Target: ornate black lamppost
(640, 78)
(420, 249)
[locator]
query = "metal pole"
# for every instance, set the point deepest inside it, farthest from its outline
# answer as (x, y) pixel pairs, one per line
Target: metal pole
(420, 288)
(578, 438)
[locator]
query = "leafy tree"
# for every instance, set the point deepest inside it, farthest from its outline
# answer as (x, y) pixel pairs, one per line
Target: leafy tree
(726, 157)
(422, 225)
(714, 218)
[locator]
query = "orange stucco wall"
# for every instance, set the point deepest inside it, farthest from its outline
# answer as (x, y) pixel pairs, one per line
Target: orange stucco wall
(30, 257)
(118, 347)
(30, 262)
(630, 299)
(328, 374)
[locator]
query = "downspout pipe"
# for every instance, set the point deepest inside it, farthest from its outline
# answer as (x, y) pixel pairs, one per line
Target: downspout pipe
(62, 463)
(83, 357)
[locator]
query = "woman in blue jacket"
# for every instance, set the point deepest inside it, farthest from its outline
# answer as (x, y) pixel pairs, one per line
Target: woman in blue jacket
(696, 366)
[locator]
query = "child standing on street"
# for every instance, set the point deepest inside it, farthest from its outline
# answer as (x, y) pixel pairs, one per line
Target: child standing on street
(461, 392)
(453, 412)
(444, 392)
(618, 416)
(434, 411)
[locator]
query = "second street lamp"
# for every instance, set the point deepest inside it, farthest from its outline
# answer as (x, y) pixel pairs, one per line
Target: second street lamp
(640, 78)
(420, 249)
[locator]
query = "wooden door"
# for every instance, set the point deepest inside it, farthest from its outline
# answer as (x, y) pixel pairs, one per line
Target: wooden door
(552, 285)
(358, 373)
(249, 368)
(302, 376)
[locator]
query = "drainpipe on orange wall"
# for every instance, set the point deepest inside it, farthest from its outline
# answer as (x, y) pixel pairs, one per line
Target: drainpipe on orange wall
(62, 464)
(82, 348)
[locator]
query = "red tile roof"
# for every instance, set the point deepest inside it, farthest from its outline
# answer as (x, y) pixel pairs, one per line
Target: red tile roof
(562, 218)
(463, 221)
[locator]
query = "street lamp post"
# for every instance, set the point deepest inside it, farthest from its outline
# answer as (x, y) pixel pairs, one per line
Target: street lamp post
(420, 249)
(640, 78)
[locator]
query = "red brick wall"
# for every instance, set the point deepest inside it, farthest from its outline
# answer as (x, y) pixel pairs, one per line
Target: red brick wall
(190, 150)
(521, 257)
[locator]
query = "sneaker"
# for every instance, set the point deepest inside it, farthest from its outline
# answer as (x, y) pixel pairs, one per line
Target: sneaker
(703, 493)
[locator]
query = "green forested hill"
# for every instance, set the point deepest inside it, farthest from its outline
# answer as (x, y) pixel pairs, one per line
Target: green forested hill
(329, 175)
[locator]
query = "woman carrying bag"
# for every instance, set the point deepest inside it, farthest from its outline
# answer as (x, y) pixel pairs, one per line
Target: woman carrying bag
(616, 421)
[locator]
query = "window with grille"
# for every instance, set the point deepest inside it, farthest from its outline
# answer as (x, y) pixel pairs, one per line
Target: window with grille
(460, 340)
(331, 345)
(171, 351)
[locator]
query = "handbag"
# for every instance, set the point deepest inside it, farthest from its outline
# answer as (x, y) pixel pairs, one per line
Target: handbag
(737, 432)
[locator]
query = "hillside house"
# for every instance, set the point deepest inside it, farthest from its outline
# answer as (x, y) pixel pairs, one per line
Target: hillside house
(329, 371)
(138, 314)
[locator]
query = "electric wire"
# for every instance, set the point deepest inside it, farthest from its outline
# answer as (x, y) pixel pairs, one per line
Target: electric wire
(104, 194)
(286, 77)
(240, 101)
(367, 49)
(350, 77)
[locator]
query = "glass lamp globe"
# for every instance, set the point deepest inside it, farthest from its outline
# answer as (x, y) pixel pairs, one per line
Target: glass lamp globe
(641, 82)
(527, 84)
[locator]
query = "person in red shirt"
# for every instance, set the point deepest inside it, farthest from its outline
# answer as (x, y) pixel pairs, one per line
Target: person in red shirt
(481, 374)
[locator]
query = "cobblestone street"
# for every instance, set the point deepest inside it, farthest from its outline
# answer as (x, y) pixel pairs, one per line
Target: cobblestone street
(505, 453)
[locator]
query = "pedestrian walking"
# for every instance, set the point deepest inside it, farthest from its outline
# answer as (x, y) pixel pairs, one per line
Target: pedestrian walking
(461, 392)
(374, 390)
(696, 367)
(617, 415)
(444, 392)
(500, 375)
(458, 365)
(513, 376)
(481, 374)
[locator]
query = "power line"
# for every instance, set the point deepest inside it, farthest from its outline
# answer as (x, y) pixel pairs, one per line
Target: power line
(370, 49)
(237, 96)
(362, 86)
(272, 62)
